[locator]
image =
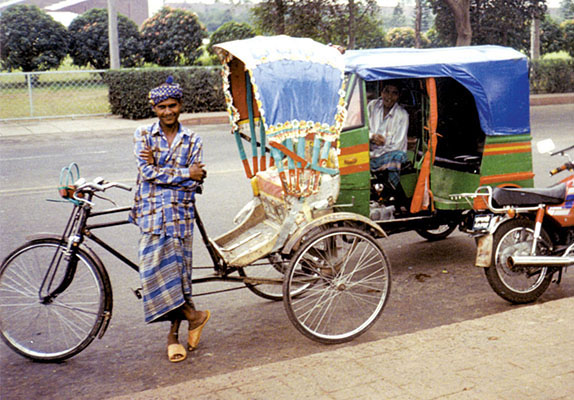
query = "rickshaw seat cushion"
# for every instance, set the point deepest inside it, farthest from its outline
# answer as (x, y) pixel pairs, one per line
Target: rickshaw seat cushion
(268, 183)
(529, 197)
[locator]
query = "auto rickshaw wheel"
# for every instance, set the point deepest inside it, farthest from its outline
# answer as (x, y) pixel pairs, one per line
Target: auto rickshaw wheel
(345, 278)
(439, 233)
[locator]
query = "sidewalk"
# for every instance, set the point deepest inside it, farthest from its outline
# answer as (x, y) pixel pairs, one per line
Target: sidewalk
(98, 124)
(525, 353)
(114, 122)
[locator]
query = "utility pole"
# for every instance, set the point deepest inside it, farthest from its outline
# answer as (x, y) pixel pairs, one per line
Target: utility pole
(113, 35)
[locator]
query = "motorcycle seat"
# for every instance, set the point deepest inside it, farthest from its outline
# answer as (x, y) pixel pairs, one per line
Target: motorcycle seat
(529, 197)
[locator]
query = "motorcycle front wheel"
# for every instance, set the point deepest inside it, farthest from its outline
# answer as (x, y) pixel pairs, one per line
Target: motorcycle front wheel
(517, 284)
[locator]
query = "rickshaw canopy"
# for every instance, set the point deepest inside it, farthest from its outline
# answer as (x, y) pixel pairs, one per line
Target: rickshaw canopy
(297, 84)
(496, 76)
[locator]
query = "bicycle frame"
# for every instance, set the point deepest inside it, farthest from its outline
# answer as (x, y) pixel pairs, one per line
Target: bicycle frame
(78, 228)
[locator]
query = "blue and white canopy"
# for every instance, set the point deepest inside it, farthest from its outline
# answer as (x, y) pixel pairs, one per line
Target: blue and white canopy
(297, 84)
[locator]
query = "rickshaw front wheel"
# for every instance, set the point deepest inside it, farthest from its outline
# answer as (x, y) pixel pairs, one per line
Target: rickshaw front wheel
(337, 285)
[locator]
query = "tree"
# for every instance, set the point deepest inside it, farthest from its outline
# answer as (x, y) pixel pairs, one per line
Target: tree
(399, 16)
(371, 35)
(173, 37)
(31, 40)
(503, 22)
(568, 29)
(427, 16)
(567, 9)
(230, 31)
(327, 21)
(89, 43)
(551, 36)
(269, 16)
(418, 22)
(461, 12)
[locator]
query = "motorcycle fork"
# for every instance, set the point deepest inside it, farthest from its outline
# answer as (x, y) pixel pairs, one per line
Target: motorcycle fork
(537, 227)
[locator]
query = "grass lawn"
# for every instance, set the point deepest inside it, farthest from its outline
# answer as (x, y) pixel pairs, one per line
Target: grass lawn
(54, 101)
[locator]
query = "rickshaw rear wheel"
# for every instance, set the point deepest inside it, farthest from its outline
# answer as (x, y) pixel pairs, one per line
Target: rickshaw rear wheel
(439, 233)
(346, 278)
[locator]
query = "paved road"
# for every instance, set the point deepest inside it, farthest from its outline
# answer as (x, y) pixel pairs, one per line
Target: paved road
(433, 283)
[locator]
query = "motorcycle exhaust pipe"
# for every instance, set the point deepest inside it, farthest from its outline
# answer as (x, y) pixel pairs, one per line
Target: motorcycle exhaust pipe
(540, 261)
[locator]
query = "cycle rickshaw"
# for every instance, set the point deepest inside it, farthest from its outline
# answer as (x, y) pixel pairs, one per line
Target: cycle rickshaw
(285, 96)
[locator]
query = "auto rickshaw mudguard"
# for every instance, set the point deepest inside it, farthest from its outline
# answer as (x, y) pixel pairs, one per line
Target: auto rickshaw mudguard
(332, 219)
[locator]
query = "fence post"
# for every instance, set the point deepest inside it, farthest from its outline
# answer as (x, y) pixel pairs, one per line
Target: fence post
(29, 80)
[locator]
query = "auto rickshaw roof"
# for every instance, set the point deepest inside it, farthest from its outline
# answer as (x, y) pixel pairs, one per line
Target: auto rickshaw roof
(496, 76)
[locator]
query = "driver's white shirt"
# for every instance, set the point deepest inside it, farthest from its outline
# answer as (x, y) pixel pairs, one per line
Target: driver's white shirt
(393, 127)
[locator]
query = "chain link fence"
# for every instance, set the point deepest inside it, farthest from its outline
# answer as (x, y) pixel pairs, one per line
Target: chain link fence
(28, 95)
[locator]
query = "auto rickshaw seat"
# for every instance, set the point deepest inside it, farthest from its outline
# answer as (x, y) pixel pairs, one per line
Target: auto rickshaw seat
(470, 164)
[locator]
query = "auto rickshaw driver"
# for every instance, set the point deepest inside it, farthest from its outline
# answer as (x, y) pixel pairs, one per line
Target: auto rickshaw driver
(389, 124)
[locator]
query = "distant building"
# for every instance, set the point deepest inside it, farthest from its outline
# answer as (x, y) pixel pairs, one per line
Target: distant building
(65, 10)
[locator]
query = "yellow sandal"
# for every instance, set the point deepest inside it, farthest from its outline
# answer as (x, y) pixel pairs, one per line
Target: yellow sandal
(176, 352)
(195, 334)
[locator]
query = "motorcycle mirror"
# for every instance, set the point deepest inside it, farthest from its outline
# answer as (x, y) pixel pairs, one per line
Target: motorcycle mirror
(545, 146)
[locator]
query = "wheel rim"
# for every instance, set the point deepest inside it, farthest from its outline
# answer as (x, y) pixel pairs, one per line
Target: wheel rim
(348, 280)
(518, 242)
(274, 269)
(54, 329)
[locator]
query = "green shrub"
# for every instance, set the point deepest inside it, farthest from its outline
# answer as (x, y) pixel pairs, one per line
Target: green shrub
(552, 76)
(128, 89)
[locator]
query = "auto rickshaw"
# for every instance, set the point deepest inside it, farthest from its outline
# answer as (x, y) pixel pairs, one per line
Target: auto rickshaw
(468, 127)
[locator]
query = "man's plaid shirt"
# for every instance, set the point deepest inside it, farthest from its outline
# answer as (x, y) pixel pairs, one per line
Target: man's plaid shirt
(163, 202)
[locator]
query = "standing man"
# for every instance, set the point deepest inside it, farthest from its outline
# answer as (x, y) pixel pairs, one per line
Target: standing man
(169, 160)
(389, 124)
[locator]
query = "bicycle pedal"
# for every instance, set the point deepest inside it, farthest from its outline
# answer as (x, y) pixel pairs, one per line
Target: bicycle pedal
(138, 293)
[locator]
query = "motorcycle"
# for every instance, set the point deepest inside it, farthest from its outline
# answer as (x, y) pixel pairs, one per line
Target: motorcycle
(524, 235)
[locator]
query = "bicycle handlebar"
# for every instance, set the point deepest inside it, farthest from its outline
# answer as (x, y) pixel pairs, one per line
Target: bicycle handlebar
(97, 185)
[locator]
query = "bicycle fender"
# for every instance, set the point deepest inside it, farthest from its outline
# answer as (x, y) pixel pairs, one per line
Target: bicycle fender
(329, 219)
(43, 235)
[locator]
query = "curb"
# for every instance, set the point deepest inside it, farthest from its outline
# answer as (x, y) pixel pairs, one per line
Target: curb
(216, 118)
(551, 99)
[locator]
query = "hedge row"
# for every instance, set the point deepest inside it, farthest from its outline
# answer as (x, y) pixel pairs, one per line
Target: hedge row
(552, 76)
(128, 89)
(202, 91)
